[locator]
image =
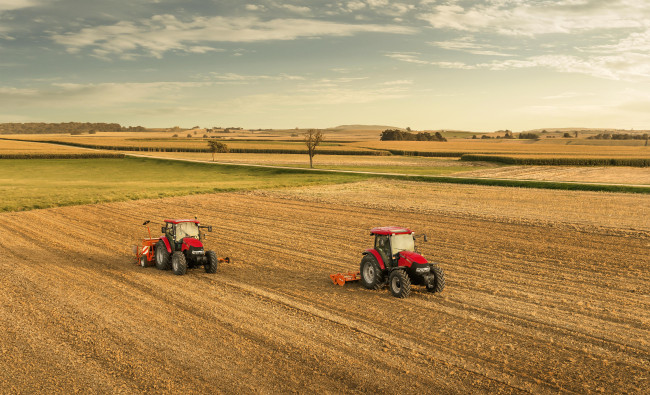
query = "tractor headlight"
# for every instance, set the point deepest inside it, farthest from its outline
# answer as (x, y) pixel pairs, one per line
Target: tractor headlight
(425, 269)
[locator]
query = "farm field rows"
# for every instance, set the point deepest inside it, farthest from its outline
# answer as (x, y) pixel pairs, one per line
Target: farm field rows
(382, 164)
(13, 147)
(419, 165)
(156, 140)
(528, 148)
(532, 303)
(613, 175)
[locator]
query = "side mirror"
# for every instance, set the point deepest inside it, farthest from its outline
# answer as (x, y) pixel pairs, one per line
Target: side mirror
(425, 238)
(162, 229)
(210, 228)
(146, 222)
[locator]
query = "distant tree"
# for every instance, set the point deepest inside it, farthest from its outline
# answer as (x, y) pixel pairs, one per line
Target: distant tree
(205, 136)
(566, 135)
(575, 133)
(189, 135)
(474, 137)
(530, 136)
(408, 129)
(217, 146)
(312, 138)
(508, 135)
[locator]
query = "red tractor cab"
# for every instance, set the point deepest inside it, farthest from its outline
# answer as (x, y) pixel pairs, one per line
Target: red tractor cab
(394, 261)
(179, 248)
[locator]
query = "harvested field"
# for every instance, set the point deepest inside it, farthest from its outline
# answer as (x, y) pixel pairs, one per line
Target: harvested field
(612, 175)
(530, 148)
(539, 302)
(16, 147)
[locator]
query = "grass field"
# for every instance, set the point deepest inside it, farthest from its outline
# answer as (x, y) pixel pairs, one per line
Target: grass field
(41, 183)
(14, 147)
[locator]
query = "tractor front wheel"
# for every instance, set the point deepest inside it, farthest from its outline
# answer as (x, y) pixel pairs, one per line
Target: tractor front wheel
(371, 274)
(399, 283)
(211, 266)
(179, 264)
(162, 256)
(438, 283)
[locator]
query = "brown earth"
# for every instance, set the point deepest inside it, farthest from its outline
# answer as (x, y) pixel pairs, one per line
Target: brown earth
(530, 305)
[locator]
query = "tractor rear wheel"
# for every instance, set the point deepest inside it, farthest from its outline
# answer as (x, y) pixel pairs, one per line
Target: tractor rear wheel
(162, 256)
(371, 274)
(438, 283)
(399, 283)
(143, 260)
(179, 264)
(211, 266)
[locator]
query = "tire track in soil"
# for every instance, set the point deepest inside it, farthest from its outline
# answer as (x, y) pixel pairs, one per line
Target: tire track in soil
(272, 320)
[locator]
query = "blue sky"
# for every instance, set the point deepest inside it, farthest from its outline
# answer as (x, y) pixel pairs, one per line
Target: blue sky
(430, 64)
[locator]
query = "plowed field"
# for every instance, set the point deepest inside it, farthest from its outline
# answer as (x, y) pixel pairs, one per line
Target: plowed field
(530, 305)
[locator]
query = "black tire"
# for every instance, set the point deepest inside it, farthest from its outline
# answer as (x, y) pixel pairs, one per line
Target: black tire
(179, 264)
(211, 266)
(438, 283)
(372, 276)
(399, 283)
(143, 261)
(162, 257)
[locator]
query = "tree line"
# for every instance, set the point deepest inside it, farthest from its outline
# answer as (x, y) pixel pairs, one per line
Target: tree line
(401, 135)
(65, 127)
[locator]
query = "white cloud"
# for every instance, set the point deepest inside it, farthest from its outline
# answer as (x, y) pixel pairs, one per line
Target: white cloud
(542, 17)
(164, 33)
(627, 66)
(8, 5)
(301, 10)
(467, 44)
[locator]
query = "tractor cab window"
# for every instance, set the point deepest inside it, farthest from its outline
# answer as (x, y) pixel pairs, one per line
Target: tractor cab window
(382, 245)
(403, 242)
(169, 230)
(186, 229)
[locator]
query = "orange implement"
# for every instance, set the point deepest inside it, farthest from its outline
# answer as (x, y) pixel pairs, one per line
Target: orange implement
(342, 278)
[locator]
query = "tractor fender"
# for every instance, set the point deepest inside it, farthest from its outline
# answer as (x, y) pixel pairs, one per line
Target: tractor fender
(166, 241)
(374, 253)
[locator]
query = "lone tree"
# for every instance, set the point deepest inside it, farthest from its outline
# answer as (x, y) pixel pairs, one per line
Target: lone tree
(217, 146)
(312, 137)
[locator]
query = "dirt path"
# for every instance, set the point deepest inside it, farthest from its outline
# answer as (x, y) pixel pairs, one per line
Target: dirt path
(527, 308)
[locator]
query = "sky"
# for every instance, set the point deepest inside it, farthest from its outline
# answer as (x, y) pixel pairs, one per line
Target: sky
(430, 64)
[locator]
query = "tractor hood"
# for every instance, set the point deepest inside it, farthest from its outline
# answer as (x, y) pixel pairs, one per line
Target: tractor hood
(192, 242)
(412, 257)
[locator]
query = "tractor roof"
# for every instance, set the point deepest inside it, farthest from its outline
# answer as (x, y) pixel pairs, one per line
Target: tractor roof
(178, 221)
(390, 230)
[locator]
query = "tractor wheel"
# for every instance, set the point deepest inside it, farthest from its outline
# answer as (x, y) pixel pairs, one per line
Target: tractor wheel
(143, 261)
(399, 283)
(179, 264)
(438, 283)
(371, 274)
(211, 266)
(162, 257)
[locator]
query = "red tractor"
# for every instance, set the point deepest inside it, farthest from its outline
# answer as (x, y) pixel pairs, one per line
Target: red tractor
(179, 248)
(395, 262)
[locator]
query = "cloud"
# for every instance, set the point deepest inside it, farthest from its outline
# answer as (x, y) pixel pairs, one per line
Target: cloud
(524, 18)
(94, 95)
(243, 78)
(467, 44)
(164, 33)
(8, 5)
(627, 66)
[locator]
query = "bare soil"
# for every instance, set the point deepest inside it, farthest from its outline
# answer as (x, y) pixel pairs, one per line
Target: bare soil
(540, 304)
